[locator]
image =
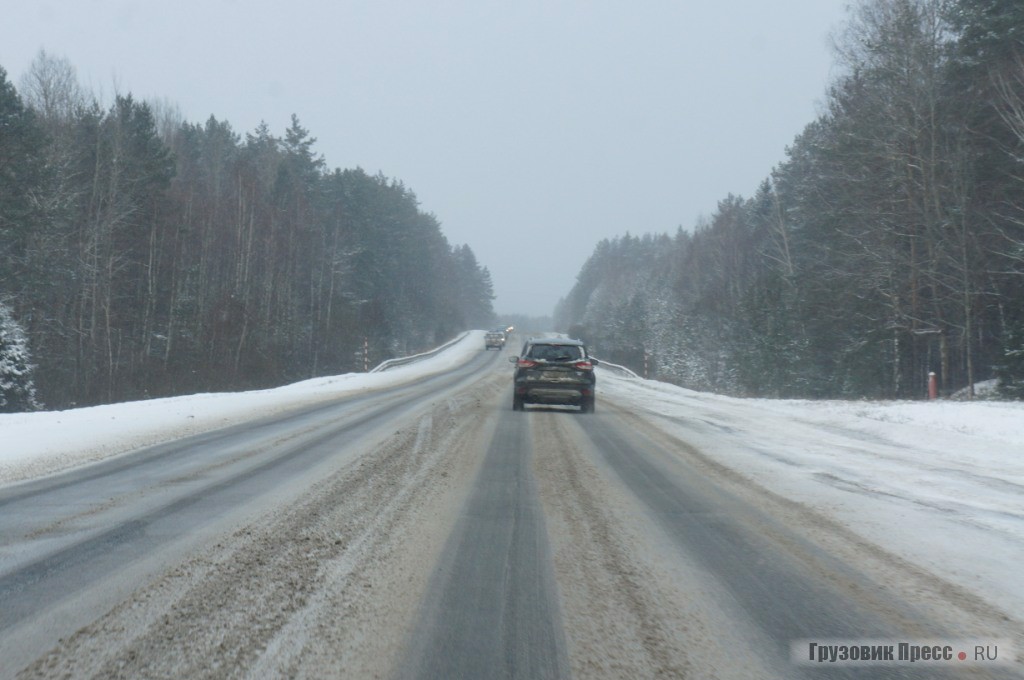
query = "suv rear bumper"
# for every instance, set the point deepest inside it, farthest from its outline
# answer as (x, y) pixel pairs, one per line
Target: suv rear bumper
(545, 393)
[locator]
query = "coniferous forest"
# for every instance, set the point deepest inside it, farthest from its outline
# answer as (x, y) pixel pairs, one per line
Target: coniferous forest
(888, 244)
(142, 255)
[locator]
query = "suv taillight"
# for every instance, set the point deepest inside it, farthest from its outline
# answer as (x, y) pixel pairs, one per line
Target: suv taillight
(525, 363)
(584, 365)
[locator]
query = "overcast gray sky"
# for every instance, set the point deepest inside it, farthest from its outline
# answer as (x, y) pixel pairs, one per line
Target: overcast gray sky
(531, 129)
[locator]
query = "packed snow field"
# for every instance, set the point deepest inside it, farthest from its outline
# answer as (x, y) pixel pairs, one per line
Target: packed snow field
(941, 484)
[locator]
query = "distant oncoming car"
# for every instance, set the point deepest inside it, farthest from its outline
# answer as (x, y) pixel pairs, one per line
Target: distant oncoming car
(495, 339)
(554, 371)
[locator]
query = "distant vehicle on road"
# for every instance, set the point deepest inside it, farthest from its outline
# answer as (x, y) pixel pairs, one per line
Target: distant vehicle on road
(554, 371)
(495, 339)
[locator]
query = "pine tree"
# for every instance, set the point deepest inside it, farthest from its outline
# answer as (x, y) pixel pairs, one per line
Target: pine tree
(17, 390)
(22, 174)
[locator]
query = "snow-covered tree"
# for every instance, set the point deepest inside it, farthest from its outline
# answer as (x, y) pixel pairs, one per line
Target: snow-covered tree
(17, 391)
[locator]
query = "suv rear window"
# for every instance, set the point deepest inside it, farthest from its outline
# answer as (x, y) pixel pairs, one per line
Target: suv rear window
(556, 352)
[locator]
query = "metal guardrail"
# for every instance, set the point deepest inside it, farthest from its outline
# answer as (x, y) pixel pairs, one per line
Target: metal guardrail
(622, 370)
(401, 361)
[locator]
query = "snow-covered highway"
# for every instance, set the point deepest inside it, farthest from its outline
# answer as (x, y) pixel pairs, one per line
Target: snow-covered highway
(408, 524)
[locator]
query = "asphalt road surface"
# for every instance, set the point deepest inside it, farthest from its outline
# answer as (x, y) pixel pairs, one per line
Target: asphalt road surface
(427, 531)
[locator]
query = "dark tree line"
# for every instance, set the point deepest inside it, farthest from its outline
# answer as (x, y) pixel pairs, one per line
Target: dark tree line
(888, 244)
(144, 255)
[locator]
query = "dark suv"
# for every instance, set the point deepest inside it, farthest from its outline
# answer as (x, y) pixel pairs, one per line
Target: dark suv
(554, 371)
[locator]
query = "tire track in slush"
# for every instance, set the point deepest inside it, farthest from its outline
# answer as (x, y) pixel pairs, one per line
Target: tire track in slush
(494, 609)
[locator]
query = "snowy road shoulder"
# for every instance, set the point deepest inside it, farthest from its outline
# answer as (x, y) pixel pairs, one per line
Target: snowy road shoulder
(940, 484)
(37, 444)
